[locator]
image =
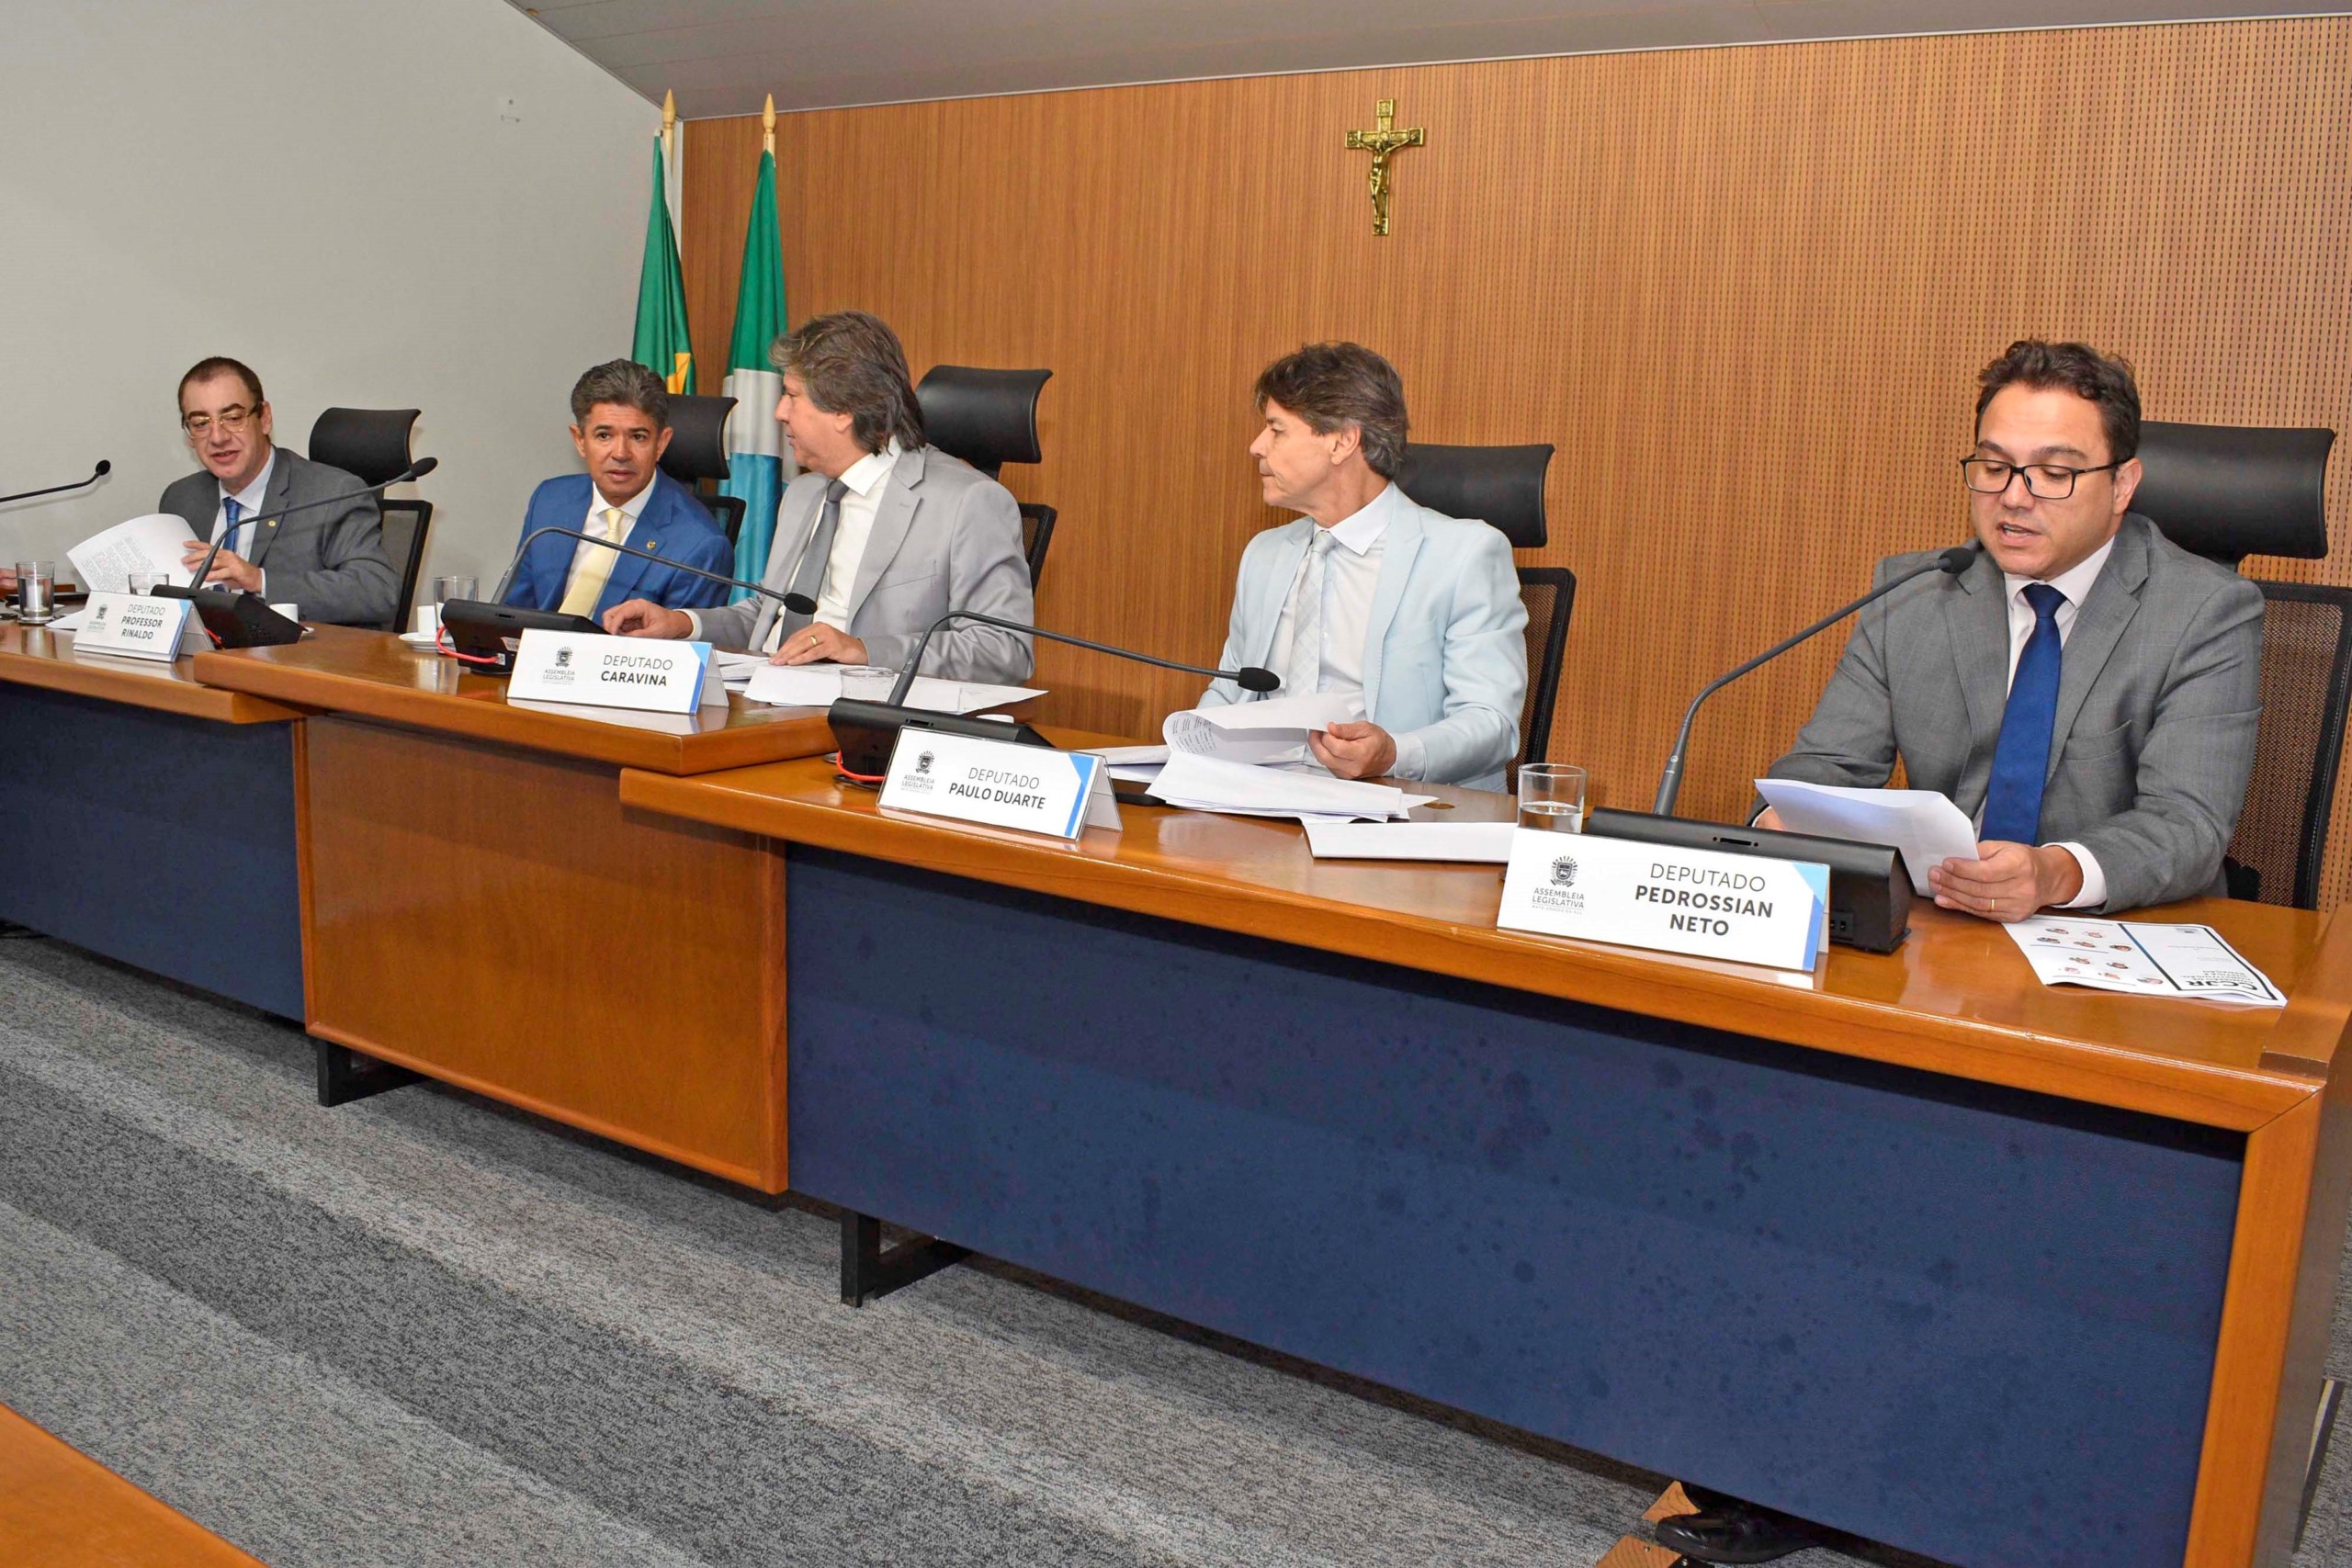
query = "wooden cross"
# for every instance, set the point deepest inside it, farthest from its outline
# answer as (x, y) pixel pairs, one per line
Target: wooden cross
(1381, 141)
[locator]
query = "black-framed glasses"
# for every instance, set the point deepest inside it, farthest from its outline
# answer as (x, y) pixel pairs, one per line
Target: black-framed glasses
(231, 419)
(2044, 482)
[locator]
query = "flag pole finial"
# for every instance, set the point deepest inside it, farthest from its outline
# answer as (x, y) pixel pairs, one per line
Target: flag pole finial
(767, 126)
(669, 117)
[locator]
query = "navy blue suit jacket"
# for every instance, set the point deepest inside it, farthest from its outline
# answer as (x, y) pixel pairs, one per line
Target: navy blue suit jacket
(672, 523)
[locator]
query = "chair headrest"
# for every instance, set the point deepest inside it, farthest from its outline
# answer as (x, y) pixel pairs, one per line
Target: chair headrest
(697, 449)
(1499, 485)
(988, 418)
(2228, 491)
(371, 444)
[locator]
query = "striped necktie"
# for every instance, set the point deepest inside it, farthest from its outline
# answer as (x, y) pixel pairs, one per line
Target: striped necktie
(1304, 675)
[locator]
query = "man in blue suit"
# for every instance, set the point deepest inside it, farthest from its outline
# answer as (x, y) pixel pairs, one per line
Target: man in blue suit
(620, 421)
(1370, 595)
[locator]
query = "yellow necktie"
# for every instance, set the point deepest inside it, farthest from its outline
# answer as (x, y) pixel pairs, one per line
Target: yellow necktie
(588, 579)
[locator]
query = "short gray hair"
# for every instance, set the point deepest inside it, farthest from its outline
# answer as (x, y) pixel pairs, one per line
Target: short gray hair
(851, 362)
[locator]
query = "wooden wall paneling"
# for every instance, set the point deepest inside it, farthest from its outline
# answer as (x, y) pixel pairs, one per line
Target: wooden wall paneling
(1745, 292)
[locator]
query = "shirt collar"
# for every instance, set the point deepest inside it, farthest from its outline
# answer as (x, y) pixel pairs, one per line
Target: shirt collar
(631, 508)
(1368, 525)
(2074, 582)
(249, 499)
(872, 469)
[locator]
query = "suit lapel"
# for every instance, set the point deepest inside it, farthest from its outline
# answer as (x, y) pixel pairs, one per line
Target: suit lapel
(1272, 589)
(2099, 625)
(891, 521)
(1404, 543)
(274, 498)
(1977, 623)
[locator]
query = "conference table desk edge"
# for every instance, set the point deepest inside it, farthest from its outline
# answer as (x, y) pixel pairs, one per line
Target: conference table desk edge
(136, 684)
(2294, 1069)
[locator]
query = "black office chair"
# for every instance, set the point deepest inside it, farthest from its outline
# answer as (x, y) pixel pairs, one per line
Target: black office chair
(2227, 492)
(988, 418)
(1504, 485)
(373, 445)
(697, 451)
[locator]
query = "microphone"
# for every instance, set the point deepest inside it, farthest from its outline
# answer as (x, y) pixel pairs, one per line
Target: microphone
(416, 471)
(1951, 562)
(101, 472)
(865, 731)
(799, 602)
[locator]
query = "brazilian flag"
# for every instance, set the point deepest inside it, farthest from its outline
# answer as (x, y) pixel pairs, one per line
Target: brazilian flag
(663, 344)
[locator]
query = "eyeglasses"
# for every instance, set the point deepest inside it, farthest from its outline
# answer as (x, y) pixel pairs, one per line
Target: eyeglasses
(232, 419)
(2044, 482)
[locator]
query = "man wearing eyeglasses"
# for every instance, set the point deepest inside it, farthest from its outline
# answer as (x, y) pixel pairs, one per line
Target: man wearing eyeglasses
(327, 561)
(2088, 692)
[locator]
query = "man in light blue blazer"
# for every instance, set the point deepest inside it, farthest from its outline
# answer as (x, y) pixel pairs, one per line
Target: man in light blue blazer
(620, 413)
(1370, 594)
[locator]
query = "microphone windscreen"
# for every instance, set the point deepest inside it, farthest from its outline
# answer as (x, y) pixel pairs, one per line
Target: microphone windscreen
(422, 467)
(800, 603)
(1252, 679)
(103, 469)
(1957, 559)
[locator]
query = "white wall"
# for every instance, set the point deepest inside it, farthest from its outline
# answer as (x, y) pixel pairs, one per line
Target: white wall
(330, 190)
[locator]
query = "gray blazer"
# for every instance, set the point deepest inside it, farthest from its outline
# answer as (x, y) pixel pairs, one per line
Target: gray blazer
(2159, 699)
(327, 561)
(947, 538)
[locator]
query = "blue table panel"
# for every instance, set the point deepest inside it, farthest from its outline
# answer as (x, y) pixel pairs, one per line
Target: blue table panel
(99, 799)
(1970, 1321)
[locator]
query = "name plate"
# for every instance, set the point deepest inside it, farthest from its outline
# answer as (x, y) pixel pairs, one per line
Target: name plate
(613, 671)
(1000, 783)
(132, 626)
(1701, 902)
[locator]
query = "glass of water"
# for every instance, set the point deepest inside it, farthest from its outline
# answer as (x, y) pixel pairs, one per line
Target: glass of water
(447, 588)
(36, 591)
(145, 583)
(1551, 797)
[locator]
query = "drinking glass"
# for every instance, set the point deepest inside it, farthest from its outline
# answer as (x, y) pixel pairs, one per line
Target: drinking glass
(1551, 797)
(36, 591)
(145, 583)
(447, 588)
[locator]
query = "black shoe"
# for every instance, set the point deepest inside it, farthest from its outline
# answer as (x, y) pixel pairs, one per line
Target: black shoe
(1728, 1530)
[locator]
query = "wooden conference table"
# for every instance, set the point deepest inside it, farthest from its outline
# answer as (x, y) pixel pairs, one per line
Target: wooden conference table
(149, 817)
(1917, 1247)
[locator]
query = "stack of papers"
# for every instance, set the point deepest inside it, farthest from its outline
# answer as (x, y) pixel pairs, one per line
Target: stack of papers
(1211, 783)
(154, 543)
(2142, 958)
(1925, 826)
(1271, 731)
(820, 685)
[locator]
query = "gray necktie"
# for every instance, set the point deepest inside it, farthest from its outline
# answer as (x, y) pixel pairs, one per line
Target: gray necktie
(809, 577)
(1306, 671)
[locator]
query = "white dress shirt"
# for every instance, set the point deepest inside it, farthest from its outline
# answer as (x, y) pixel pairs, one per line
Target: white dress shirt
(249, 504)
(1350, 577)
(2074, 583)
(583, 552)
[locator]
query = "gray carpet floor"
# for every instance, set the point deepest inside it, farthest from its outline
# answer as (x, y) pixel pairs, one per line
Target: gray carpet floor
(424, 1330)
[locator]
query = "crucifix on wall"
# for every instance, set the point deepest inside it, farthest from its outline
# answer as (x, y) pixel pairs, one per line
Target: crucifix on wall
(1382, 141)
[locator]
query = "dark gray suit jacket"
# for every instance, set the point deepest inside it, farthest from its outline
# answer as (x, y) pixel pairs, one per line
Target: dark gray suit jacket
(327, 561)
(2159, 699)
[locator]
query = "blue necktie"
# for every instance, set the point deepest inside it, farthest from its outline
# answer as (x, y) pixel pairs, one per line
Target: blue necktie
(230, 511)
(2022, 761)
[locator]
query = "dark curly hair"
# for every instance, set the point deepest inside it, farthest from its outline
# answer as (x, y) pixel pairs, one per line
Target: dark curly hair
(2095, 377)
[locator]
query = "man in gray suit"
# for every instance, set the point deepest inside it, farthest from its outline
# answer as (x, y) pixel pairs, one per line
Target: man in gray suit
(326, 560)
(885, 533)
(2088, 692)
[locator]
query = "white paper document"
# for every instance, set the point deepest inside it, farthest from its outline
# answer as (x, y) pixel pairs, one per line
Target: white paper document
(1129, 756)
(1487, 843)
(820, 685)
(1215, 783)
(2143, 958)
(1271, 731)
(1925, 826)
(154, 543)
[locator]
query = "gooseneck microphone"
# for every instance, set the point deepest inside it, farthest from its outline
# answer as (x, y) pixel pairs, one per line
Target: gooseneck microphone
(416, 471)
(795, 602)
(1250, 679)
(101, 472)
(1951, 562)
(867, 731)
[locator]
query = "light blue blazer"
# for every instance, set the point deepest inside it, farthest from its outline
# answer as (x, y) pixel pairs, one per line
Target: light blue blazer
(1445, 654)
